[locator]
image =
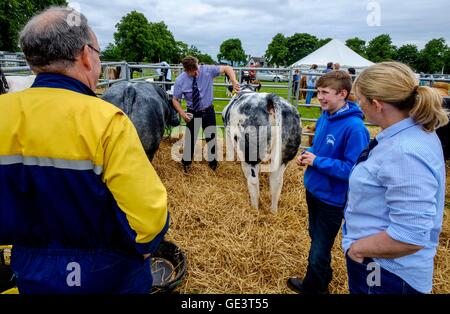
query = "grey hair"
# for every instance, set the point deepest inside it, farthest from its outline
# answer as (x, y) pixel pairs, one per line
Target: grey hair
(51, 41)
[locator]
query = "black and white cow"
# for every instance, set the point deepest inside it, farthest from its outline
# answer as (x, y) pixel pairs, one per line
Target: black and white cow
(149, 108)
(262, 127)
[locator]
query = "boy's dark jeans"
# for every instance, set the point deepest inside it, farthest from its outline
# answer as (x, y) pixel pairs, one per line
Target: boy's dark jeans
(208, 120)
(324, 223)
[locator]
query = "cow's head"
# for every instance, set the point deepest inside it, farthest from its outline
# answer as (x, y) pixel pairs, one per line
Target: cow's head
(174, 118)
(247, 88)
(171, 116)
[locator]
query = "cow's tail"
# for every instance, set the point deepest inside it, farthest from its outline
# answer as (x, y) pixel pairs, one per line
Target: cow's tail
(275, 117)
(129, 98)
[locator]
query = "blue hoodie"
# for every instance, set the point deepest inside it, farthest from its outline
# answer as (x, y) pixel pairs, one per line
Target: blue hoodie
(338, 141)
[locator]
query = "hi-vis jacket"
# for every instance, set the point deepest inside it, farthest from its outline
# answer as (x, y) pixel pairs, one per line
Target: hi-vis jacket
(73, 173)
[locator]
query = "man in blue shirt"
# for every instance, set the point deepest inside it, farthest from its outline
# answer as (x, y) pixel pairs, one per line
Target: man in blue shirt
(195, 84)
(338, 141)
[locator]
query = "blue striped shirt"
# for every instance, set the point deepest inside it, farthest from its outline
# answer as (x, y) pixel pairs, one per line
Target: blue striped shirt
(400, 189)
(205, 80)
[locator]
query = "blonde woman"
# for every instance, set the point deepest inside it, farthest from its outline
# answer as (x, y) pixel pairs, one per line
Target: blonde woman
(396, 192)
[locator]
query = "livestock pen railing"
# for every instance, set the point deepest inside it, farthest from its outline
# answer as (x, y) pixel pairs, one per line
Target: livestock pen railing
(282, 82)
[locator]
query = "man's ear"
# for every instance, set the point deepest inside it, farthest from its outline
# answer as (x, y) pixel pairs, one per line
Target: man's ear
(85, 58)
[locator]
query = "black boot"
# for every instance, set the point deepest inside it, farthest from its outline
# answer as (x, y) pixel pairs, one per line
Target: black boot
(213, 165)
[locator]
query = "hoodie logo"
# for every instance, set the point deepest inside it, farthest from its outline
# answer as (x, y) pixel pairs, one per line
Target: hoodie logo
(331, 140)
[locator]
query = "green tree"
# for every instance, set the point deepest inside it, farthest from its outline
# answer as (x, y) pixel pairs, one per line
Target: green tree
(182, 51)
(164, 46)
(300, 45)
(432, 56)
(447, 61)
(13, 16)
(277, 51)
(133, 38)
(137, 40)
(408, 54)
(111, 53)
(381, 49)
(358, 45)
(202, 57)
(205, 58)
(231, 50)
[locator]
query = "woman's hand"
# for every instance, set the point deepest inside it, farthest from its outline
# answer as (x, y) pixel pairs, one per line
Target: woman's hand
(354, 255)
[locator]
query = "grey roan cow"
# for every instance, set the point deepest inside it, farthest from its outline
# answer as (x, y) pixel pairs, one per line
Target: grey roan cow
(262, 127)
(149, 108)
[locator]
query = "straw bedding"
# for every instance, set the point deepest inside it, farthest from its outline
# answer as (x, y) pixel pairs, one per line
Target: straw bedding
(234, 248)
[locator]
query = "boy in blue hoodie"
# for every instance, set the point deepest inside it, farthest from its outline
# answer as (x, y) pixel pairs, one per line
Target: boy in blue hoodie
(339, 139)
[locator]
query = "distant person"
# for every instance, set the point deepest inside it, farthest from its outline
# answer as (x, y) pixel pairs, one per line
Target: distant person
(252, 73)
(329, 67)
(396, 194)
(245, 76)
(311, 83)
(165, 75)
(352, 73)
(303, 86)
(421, 77)
(336, 67)
(295, 82)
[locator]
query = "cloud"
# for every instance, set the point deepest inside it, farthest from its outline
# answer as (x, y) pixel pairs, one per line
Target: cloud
(207, 23)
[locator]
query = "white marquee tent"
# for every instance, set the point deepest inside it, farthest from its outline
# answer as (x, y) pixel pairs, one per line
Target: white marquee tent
(335, 51)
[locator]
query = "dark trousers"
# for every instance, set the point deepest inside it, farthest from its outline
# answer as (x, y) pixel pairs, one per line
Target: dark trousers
(205, 119)
(360, 279)
(324, 224)
(295, 88)
(54, 271)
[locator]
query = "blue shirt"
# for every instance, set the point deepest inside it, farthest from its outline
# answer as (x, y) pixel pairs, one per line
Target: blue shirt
(400, 189)
(311, 81)
(183, 86)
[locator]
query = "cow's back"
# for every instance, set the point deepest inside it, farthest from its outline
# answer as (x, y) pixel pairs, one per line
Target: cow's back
(144, 106)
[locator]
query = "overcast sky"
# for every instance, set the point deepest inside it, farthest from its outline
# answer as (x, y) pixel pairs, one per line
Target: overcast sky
(207, 23)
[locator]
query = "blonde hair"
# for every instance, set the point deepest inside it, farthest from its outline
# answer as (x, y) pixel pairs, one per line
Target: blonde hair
(396, 84)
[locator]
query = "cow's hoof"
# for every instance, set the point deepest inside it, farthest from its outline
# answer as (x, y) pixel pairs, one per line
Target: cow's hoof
(186, 168)
(213, 166)
(274, 211)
